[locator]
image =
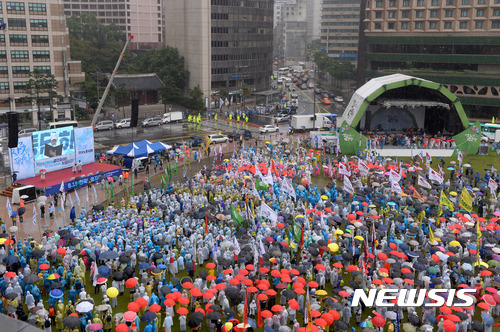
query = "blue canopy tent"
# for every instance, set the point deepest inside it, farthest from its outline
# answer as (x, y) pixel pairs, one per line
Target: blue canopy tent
(141, 149)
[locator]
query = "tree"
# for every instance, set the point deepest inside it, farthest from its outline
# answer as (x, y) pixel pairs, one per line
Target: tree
(223, 93)
(98, 46)
(40, 86)
(167, 64)
(313, 47)
(196, 98)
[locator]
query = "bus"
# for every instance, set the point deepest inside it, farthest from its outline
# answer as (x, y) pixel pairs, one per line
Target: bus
(60, 124)
(488, 130)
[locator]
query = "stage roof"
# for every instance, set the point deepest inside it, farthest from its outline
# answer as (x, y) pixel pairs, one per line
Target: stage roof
(377, 86)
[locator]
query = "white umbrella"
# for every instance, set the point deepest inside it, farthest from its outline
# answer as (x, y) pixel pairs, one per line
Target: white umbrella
(84, 307)
(42, 198)
(24, 196)
(13, 229)
(467, 267)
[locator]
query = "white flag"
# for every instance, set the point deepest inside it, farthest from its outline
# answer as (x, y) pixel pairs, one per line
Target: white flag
(268, 179)
(363, 167)
(70, 200)
(95, 194)
(259, 173)
(423, 182)
(492, 184)
(221, 102)
(287, 188)
(394, 176)
(61, 187)
(433, 175)
(343, 170)
(255, 192)
(87, 194)
(460, 158)
(35, 213)
(9, 208)
(396, 187)
(348, 185)
(237, 249)
(421, 155)
(62, 203)
(267, 212)
(428, 158)
(231, 100)
(261, 247)
(77, 198)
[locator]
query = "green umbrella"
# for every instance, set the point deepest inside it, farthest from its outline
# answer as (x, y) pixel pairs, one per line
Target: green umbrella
(432, 269)
(493, 262)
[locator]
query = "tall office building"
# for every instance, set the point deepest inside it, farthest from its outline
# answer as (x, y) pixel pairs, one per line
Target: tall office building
(340, 28)
(291, 31)
(142, 18)
(36, 39)
(313, 9)
(453, 42)
(225, 43)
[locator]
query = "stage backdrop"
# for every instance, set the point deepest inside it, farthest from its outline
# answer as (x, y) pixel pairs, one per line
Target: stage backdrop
(84, 142)
(54, 149)
(22, 159)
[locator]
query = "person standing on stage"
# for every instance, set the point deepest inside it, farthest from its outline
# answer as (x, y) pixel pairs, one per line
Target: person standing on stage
(79, 166)
(74, 168)
(42, 175)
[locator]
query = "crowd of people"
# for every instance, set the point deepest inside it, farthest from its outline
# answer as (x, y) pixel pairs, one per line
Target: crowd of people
(267, 239)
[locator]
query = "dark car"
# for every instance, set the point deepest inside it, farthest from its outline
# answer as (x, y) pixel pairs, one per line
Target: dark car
(303, 87)
(332, 96)
(317, 91)
(237, 134)
(194, 141)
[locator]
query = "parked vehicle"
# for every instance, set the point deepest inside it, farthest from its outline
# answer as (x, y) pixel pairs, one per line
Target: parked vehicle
(123, 123)
(171, 117)
(317, 91)
(217, 138)
(339, 99)
(303, 87)
(237, 134)
(104, 125)
(309, 121)
(151, 122)
(268, 129)
(326, 101)
(26, 132)
(281, 118)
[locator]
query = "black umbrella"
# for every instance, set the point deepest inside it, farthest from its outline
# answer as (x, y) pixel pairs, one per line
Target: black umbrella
(289, 294)
(118, 276)
(477, 326)
(195, 319)
(124, 259)
(165, 290)
(21, 210)
(31, 278)
(11, 259)
(203, 274)
(37, 253)
(74, 242)
(214, 315)
(341, 325)
(98, 207)
(71, 321)
(414, 320)
(232, 293)
(129, 271)
(229, 312)
(10, 296)
(55, 285)
(9, 310)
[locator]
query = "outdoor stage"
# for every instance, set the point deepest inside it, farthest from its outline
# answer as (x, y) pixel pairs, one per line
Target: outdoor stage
(53, 180)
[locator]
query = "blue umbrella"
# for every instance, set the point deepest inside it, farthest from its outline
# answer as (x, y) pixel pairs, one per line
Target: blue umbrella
(104, 271)
(56, 293)
(144, 266)
(162, 266)
(148, 316)
(382, 228)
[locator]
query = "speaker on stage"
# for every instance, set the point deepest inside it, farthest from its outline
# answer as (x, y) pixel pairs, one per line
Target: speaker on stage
(135, 113)
(12, 122)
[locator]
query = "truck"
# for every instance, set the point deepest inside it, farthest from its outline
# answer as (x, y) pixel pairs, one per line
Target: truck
(296, 69)
(306, 122)
(172, 117)
(328, 139)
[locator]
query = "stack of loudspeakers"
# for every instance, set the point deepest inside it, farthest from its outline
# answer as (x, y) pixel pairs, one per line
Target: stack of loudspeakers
(13, 128)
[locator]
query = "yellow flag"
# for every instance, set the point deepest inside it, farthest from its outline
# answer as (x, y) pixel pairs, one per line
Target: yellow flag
(478, 237)
(465, 200)
(440, 210)
(445, 201)
(431, 234)
(207, 144)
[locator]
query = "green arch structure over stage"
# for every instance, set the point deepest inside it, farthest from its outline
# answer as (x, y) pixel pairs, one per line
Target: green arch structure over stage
(351, 140)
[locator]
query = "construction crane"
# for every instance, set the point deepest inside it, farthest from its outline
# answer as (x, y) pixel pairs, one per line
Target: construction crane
(106, 91)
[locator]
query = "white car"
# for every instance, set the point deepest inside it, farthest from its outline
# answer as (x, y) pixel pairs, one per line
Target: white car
(216, 138)
(268, 129)
(151, 122)
(123, 123)
(104, 125)
(339, 99)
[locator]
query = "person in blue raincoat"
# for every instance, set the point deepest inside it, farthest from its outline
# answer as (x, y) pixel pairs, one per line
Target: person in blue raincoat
(72, 215)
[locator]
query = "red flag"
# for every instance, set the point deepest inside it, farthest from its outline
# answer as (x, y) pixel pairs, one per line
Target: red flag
(245, 311)
(366, 251)
(259, 314)
(206, 222)
(273, 168)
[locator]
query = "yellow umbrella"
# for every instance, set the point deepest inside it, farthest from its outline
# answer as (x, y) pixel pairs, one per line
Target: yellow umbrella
(455, 244)
(228, 326)
(321, 292)
(483, 264)
(324, 197)
(112, 292)
(267, 142)
(359, 237)
(53, 277)
(452, 193)
(333, 247)
(339, 232)
(299, 216)
(2, 240)
(293, 245)
(372, 206)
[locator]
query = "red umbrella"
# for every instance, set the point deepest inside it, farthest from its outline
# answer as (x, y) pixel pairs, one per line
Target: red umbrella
(200, 310)
(196, 292)
(210, 265)
(262, 297)
(141, 302)
(121, 328)
(315, 313)
(445, 310)
(243, 272)
(10, 274)
(276, 273)
(234, 282)
(313, 284)
(338, 265)
(483, 305)
(183, 300)
(44, 266)
(131, 283)
(266, 314)
(182, 311)
(271, 292)
(449, 326)
(343, 294)
(378, 321)
(169, 302)
(208, 296)
(264, 270)
(320, 322)
(293, 304)
(211, 277)
(228, 271)
(249, 267)
(187, 285)
(320, 267)
(252, 289)
(220, 286)
(277, 308)
(247, 282)
(299, 291)
(154, 308)
(132, 306)
(129, 316)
